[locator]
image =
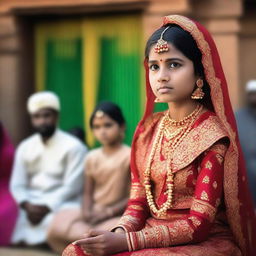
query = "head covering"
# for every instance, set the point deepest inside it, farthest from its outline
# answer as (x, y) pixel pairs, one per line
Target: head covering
(251, 86)
(237, 198)
(40, 100)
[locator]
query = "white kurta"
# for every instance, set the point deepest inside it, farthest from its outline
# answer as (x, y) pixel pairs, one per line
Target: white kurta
(46, 174)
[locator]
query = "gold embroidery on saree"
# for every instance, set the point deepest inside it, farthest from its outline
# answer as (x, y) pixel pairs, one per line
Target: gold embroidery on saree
(208, 165)
(196, 222)
(206, 179)
(199, 139)
(204, 208)
(204, 196)
(181, 232)
(220, 158)
(137, 190)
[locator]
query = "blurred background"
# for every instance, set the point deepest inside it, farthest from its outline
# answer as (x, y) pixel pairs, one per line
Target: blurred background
(87, 51)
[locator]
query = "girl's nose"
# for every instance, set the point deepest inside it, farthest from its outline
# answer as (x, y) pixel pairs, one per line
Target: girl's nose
(163, 76)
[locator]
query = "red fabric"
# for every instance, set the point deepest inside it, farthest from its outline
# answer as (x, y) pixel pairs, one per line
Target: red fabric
(8, 212)
(248, 221)
(73, 250)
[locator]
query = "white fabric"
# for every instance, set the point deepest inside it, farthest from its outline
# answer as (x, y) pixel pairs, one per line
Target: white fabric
(42, 100)
(251, 86)
(46, 174)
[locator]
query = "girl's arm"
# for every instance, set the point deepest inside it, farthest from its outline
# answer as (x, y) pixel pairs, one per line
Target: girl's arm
(87, 204)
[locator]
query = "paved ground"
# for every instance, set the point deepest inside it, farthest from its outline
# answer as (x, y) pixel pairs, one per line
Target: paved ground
(25, 252)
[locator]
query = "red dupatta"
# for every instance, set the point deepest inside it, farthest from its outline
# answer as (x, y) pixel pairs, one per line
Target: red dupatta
(239, 209)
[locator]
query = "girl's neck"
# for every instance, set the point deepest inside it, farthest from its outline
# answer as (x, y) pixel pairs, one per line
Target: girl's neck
(179, 110)
(111, 148)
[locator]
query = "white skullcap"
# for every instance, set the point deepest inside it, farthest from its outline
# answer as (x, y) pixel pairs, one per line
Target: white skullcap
(251, 86)
(41, 100)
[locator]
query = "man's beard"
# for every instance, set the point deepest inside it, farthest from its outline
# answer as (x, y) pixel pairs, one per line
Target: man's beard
(46, 131)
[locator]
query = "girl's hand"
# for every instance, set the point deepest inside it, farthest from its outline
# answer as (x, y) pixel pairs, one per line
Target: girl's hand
(101, 243)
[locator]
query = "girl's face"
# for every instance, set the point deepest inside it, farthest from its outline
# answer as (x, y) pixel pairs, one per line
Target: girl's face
(106, 130)
(171, 75)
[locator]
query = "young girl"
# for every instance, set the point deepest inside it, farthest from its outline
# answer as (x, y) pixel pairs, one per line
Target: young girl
(107, 181)
(189, 190)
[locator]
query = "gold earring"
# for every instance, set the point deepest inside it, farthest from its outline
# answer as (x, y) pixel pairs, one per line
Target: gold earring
(198, 93)
(157, 100)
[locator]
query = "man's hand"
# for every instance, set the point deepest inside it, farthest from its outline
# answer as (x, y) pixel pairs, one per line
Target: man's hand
(35, 213)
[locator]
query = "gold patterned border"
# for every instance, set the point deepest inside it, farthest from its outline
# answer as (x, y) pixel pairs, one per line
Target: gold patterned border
(198, 140)
(204, 208)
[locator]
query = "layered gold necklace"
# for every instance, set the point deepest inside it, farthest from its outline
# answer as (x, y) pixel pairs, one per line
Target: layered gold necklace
(174, 132)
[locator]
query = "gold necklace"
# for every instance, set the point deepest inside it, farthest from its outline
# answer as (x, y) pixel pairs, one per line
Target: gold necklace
(172, 127)
(185, 120)
(169, 179)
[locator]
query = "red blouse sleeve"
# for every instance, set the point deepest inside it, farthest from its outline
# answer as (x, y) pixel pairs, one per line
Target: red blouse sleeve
(196, 225)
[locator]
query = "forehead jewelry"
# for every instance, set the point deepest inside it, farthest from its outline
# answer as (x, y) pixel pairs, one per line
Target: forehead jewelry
(162, 45)
(99, 113)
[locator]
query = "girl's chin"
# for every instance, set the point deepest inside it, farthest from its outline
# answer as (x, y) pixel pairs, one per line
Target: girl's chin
(165, 99)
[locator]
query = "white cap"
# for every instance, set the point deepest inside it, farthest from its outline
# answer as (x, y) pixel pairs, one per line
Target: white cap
(251, 86)
(40, 100)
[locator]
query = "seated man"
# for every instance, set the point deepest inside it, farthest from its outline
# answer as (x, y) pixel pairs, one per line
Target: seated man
(48, 171)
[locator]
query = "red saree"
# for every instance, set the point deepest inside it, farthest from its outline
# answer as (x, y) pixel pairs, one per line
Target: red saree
(212, 212)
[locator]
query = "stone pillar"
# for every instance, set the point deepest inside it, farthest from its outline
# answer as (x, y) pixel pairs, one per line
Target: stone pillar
(225, 34)
(152, 15)
(247, 49)
(13, 89)
(221, 18)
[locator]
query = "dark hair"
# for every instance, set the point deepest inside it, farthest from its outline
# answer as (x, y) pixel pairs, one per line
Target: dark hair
(78, 132)
(184, 42)
(110, 109)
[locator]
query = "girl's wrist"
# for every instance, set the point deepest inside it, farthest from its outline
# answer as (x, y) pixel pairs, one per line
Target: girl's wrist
(123, 242)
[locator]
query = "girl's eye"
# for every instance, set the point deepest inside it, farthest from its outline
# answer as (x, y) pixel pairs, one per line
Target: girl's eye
(174, 65)
(108, 125)
(153, 67)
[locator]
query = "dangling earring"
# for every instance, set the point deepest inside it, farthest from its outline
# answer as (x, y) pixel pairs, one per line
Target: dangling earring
(198, 93)
(156, 100)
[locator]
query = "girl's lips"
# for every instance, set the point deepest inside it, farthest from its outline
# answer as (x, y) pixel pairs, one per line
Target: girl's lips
(164, 90)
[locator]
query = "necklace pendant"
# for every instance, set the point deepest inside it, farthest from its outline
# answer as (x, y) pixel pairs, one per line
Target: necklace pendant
(171, 134)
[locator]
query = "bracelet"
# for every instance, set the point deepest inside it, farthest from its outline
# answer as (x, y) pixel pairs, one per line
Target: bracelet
(129, 243)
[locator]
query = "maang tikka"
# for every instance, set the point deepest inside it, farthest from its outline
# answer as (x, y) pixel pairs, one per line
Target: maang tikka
(162, 45)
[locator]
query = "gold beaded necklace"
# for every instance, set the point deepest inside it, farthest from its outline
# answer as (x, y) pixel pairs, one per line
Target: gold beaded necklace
(187, 121)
